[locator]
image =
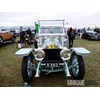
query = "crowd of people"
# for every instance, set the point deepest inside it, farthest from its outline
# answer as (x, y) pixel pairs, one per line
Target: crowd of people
(26, 36)
(97, 30)
(72, 32)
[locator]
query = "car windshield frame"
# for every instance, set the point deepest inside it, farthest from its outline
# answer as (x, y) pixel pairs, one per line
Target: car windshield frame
(51, 26)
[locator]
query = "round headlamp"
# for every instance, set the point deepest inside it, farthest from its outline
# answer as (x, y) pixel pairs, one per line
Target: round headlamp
(65, 54)
(39, 54)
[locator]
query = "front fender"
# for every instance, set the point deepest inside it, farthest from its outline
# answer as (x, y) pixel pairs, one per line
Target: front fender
(80, 51)
(24, 52)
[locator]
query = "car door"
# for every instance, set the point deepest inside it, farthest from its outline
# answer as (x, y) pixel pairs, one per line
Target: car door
(8, 35)
(3, 35)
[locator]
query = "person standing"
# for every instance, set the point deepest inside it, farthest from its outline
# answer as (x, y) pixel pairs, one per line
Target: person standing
(29, 32)
(71, 35)
(36, 32)
(21, 35)
(81, 33)
(36, 28)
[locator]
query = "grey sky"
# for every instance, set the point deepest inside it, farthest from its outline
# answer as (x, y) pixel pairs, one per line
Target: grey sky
(75, 12)
(28, 18)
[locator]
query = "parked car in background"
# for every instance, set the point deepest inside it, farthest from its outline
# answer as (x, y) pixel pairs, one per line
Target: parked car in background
(91, 35)
(6, 36)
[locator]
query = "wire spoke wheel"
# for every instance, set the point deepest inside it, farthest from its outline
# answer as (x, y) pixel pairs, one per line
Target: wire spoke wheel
(75, 65)
(77, 70)
(27, 68)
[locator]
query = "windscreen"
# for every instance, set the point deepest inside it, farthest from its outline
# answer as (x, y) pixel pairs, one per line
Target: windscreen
(51, 29)
(51, 23)
(51, 26)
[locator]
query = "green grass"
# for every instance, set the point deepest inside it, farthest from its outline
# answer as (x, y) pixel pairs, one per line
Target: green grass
(92, 62)
(10, 67)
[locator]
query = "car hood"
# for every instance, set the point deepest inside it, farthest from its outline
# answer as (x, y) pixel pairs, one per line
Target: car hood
(91, 32)
(51, 44)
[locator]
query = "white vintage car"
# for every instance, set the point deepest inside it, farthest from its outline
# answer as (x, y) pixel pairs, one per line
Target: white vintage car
(51, 53)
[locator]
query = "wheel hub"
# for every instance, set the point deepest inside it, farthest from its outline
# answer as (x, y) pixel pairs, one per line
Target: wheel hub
(75, 66)
(29, 67)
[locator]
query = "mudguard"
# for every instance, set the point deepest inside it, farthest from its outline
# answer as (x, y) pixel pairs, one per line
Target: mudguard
(81, 51)
(24, 52)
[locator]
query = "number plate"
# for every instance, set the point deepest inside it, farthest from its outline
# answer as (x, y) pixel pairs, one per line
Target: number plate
(52, 65)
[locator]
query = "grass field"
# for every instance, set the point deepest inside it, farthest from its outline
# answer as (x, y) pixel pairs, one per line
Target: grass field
(10, 67)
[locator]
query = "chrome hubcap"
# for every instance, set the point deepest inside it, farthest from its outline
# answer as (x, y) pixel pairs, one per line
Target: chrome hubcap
(29, 67)
(75, 66)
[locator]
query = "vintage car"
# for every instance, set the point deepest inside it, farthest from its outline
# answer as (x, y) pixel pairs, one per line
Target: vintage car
(6, 36)
(91, 35)
(51, 53)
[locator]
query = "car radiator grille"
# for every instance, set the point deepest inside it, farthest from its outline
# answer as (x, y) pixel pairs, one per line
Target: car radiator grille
(52, 55)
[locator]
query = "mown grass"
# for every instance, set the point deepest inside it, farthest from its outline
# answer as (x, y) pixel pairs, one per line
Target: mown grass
(92, 62)
(10, 67)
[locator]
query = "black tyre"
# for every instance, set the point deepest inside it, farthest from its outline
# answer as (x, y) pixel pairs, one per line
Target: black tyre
(1, 40)
(89, 38)
(27, 68)
(77, 69)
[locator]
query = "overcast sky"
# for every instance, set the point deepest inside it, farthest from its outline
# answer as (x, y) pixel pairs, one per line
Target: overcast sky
(78, 13)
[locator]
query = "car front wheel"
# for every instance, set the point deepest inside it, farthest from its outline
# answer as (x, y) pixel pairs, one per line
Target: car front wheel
(77, 69)
(27, 68)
